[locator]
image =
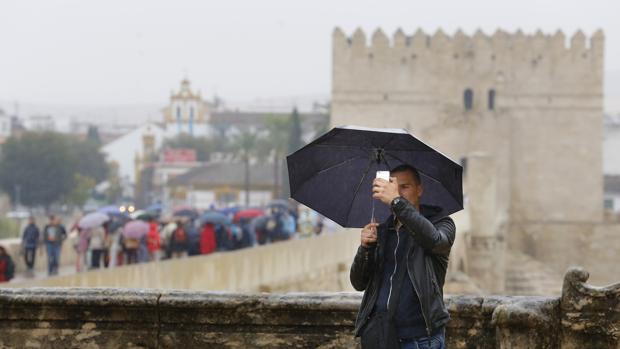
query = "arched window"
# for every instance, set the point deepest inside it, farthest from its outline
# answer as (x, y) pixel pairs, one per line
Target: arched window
(178, 113)
(491, 99)
(468, 99)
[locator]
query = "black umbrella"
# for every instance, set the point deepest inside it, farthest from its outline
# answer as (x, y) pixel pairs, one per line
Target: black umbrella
(333, 175)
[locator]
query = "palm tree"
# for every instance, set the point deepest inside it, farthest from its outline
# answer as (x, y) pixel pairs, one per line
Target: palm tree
(244, 146)
(277, 143)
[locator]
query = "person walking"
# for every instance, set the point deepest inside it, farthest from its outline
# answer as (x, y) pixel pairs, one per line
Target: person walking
(153, 240)
(179, 241)
(97, 246)
(30, 242)
(54, 235)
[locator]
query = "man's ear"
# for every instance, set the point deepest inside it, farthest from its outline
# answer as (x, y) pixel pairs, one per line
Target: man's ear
(420, 190)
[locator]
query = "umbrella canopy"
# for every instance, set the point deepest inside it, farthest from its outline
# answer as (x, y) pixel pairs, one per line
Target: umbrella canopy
(135, 229)
(143, 215)
(185, 211)
(214, 217)
(230, 210)
(111, 210)
(333, 175)
(248, 214)
(94, 219)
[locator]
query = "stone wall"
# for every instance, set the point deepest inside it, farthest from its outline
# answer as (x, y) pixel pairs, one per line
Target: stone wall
(584, 317)
(560, 245)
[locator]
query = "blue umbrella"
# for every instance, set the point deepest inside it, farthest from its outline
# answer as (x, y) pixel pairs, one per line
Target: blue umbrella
(214, 217)
(333, 175)
(156, 207)
(230, 210)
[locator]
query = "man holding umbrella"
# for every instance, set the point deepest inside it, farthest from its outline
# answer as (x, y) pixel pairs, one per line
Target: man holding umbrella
(401, 265)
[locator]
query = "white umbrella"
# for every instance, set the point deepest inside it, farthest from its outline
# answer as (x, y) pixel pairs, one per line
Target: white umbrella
(92, 220)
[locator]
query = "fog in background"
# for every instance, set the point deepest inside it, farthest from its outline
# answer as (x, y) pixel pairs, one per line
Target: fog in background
(118, 59)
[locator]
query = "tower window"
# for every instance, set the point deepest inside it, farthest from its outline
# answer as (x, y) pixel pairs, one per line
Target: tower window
(491, 99)
(178, 112)
(468, 99)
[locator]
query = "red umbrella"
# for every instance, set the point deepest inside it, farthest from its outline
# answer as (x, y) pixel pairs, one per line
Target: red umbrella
(248, 213)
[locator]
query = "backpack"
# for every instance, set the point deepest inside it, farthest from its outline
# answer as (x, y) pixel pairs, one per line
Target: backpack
(180, 235)
(10, 269)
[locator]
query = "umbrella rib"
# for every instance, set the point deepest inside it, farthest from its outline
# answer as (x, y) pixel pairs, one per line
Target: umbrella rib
(338, 164)
(357, 189)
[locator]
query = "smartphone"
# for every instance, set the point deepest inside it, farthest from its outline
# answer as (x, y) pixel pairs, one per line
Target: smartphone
(383, 175)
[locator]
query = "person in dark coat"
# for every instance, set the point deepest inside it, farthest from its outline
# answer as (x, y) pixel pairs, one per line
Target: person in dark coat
(30, 242)
(401, 266)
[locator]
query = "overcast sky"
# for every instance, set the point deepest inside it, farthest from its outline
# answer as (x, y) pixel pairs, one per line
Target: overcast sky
(135, 51)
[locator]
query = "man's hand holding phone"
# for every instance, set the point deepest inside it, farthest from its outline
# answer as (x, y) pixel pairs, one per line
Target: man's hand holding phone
(369, 234)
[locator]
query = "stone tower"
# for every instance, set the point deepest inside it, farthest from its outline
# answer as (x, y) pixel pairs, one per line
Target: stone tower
(529, 105)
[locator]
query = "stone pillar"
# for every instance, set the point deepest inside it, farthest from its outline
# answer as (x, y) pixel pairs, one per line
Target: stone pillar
(485, 247)
(590, 316)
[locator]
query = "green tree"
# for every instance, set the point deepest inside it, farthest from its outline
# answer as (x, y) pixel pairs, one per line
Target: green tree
(89, 160)
(276, 143)
(40, 164)
(81, 189)
(295, 142)
(43, 168)
(93, 135)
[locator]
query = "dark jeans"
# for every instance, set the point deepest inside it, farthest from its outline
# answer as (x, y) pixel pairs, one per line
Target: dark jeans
(95, 257)
(131, 255)
(29, 255)
(53, 258)
(437, 341)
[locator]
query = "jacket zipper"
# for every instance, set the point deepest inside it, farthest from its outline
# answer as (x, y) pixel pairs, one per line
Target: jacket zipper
(428, 330)
(394, 272)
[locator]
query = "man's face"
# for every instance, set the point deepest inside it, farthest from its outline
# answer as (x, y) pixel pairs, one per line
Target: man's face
(407, 186)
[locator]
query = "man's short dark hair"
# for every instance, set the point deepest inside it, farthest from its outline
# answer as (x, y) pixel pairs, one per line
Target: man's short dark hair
(409, 168)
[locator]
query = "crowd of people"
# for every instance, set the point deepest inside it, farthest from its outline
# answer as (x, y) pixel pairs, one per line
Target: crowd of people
(122, 239)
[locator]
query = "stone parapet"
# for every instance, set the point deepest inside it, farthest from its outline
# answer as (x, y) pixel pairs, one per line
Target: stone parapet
(126, 318)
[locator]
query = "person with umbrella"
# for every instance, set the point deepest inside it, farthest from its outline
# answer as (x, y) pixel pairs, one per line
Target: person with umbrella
(401, 263)
(411, 249)
(179, 240)
(133, 233)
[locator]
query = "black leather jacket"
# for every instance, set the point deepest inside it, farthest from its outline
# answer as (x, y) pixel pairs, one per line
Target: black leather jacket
(427, 262)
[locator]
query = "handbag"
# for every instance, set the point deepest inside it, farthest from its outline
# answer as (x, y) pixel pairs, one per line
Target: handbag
(380, 330)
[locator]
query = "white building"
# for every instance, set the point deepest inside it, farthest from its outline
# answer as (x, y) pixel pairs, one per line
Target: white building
(127, 148)
(40, 123)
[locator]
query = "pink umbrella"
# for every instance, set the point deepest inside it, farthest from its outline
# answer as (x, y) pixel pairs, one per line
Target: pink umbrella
(135, 229)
